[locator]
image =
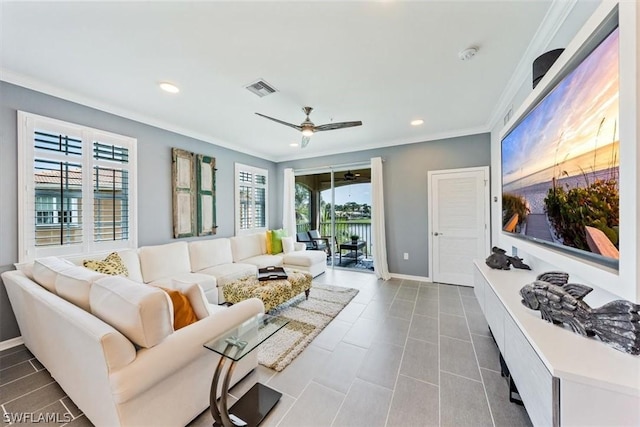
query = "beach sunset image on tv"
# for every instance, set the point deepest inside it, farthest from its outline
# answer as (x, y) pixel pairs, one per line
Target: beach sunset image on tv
(560, 163)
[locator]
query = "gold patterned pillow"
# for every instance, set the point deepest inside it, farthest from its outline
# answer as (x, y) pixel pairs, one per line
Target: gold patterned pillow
(112, 265)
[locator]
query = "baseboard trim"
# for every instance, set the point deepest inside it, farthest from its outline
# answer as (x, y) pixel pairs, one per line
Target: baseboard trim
(10, 343)
(410, 277)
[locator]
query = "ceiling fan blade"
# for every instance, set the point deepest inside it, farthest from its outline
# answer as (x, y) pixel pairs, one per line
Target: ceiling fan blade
(281, 122)
(305, 141)
(341, 125)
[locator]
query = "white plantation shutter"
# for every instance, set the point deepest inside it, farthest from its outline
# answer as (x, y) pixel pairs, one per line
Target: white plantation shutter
(110, 192)
(251, 199)
(76, 187)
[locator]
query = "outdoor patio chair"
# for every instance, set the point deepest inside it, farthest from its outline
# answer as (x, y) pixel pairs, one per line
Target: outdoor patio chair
(322, 243)
(303, 237)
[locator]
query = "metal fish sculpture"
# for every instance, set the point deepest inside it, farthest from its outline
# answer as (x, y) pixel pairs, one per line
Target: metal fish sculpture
(499, 260)
(616, 323)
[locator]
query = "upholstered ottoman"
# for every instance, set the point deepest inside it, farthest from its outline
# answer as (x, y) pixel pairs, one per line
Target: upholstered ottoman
(271, 292)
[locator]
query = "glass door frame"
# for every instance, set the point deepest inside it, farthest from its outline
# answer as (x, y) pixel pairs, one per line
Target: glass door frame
(332, 170)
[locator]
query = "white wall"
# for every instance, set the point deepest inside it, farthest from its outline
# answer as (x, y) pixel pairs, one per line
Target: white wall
(578, 26)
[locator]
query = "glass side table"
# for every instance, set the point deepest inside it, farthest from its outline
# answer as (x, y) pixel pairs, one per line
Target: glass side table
(256, 403)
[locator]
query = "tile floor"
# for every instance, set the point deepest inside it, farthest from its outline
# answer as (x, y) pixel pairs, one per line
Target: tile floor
(401, 353)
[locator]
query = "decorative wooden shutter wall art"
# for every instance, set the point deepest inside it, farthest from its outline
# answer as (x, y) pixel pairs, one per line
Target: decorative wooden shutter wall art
(194, 194)
(206, 194)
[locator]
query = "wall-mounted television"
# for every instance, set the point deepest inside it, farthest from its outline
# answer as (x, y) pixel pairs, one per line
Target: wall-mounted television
(560, 162)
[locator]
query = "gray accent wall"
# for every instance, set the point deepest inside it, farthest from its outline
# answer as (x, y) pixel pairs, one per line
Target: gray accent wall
(155, 224)
(405, 170)
(405, 176)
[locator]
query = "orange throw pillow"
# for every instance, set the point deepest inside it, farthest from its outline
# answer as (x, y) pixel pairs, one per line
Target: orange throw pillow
(183, 314)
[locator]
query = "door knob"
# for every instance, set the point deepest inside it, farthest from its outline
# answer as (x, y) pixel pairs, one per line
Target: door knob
(436, 233)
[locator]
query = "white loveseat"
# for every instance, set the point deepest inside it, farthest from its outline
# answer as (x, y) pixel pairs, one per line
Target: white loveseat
(110, 343)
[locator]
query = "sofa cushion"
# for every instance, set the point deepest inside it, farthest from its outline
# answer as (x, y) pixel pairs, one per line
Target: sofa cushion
(74, 284)
(111, 265)
(262, 261)
(45, 271)
(288, 245)
(131, 260)
(140, 312)
(268, 241)
(228, 272)
(161, 261)
(183, 313)
(304, 258)
(209, 253)
(207, 283)
(276, 240)
(248, 246)
(196, 296)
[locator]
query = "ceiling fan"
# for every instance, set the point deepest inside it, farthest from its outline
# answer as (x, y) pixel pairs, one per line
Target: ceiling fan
(308, 128)
(350, 176)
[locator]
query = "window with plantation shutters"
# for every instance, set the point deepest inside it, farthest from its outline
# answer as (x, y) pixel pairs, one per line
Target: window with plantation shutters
(251, 199)
(76, 187)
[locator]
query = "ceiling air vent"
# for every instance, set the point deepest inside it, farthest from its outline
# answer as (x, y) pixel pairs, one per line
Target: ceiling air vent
(261, 88)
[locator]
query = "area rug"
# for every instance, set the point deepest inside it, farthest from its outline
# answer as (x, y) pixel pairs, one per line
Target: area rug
(307, 319)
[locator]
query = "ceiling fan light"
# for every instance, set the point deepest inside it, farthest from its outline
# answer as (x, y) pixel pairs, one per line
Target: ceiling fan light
(307, 132)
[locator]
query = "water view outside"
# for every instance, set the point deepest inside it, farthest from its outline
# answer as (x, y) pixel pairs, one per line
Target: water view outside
(352, 214)
(560, 164)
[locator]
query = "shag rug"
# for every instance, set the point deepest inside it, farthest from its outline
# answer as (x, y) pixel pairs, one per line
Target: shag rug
(307, 319)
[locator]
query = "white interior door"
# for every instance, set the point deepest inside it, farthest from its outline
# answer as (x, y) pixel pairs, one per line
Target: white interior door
(459, 223)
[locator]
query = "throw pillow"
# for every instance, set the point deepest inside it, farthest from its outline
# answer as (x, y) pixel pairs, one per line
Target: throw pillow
(195, 295)
(287, 245)
(183, 314)
(276, 240)
(269, 249)
(112, 265)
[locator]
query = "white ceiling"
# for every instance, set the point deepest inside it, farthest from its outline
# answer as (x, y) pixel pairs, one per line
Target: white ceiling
(384, 63)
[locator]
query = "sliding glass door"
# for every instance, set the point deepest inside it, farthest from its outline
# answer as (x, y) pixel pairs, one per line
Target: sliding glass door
(333, 208)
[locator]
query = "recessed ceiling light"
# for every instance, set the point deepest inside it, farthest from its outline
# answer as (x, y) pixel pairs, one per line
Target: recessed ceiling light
(417, 122)
(168, 87)
(293, 144)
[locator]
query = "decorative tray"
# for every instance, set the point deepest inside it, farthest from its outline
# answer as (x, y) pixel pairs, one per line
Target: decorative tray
(271, 273)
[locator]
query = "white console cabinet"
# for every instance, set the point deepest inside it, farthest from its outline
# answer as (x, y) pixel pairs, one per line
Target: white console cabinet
(563, 378)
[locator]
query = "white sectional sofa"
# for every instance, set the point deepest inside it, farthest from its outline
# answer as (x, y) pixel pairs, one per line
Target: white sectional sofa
(213, 263)
(110, 343)
(252, 249)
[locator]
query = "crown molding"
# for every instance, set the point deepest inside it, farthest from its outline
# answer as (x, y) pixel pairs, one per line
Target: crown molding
(40, 86)
(551, 24)
(67, 95)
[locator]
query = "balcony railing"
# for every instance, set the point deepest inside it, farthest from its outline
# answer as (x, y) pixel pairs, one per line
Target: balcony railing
(344, 231)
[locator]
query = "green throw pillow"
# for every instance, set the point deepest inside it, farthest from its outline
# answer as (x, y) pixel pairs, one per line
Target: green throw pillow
(276, 240)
